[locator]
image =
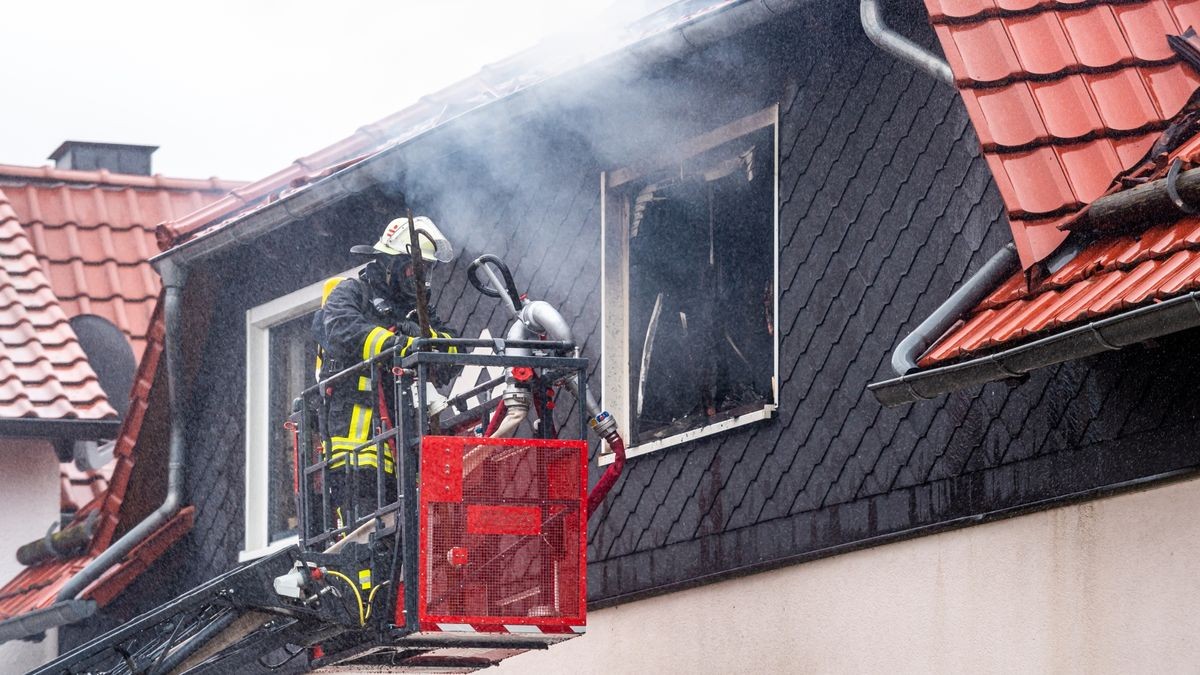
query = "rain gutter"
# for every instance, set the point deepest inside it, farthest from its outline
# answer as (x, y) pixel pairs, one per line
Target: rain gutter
(32, 623)
(901, 47)
(703, 30)
(1108, 334)
(173, 279)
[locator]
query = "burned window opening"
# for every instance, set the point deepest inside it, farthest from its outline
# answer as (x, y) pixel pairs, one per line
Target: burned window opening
(700, 289)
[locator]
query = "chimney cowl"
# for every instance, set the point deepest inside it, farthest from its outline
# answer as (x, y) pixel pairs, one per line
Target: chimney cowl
(116, 157)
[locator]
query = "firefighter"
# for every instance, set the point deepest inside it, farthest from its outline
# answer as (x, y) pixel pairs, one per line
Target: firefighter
(361, 318)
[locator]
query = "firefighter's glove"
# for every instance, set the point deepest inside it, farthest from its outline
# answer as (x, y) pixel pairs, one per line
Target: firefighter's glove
(409, 328)
(403, 341)
(443, 336)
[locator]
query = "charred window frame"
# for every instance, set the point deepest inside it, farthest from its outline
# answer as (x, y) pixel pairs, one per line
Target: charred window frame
(280, 357)
(690, 260)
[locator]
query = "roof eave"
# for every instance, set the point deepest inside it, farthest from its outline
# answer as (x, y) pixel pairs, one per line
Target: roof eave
(1108, 334)
(24, 626)
(69, 428)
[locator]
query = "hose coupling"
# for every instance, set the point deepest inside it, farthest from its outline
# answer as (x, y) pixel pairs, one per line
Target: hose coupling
(517, 398)
(604, 425)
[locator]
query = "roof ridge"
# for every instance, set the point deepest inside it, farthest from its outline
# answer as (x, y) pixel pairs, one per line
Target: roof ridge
(89, 226)
(106, 177)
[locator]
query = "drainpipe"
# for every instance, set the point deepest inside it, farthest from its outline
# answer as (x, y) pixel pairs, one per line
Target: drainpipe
(999, 267)
(173, 278)
(899, 46)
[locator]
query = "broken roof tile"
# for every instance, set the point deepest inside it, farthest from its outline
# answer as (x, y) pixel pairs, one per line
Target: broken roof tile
(1036, 73)
(1170, 86)
(1132, 149)
(1187, 13)
(1039, 181)
(1090, 167)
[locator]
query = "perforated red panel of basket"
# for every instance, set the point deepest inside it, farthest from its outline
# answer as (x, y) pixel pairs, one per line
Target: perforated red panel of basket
(503, 533)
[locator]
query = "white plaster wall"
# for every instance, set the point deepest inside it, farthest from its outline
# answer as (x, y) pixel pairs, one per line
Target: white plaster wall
(1109, 586)
(29, 503)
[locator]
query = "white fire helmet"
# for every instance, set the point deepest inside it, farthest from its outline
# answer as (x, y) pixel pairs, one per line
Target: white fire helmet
(395, 240)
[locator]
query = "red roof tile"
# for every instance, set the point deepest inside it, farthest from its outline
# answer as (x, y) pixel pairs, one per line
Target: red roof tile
(43, 371)
(1064, 96)
(37, 587)
(1108, 276)
(93, 233)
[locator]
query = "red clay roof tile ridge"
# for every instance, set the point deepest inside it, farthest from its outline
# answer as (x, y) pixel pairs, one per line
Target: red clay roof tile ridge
(105, 177)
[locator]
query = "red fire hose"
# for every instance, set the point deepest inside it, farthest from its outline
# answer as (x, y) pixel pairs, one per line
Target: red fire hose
(610, 476)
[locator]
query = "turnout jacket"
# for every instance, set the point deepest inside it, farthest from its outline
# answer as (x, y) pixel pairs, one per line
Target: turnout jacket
(359, 320)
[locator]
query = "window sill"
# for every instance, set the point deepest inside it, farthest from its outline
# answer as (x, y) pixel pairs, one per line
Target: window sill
(274, 546)
(766, 412)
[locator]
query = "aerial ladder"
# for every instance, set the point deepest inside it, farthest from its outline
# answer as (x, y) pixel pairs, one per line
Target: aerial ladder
(480, 556)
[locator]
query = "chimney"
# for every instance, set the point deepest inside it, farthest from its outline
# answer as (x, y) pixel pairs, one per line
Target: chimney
(116, 157)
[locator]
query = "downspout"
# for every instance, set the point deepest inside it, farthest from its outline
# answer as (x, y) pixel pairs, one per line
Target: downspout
(999, 267)
(899, 46)
(173, 278)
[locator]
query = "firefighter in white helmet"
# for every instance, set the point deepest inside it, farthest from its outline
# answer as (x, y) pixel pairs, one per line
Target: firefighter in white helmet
(361, 318)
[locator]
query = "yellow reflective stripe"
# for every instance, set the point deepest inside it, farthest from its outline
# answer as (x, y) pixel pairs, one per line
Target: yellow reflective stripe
(365, 457)
(407, 344)
(364, 383)
(447, 336)
(360, 423)
(374, 342)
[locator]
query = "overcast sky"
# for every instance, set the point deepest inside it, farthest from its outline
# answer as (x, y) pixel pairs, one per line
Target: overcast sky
(240, 89)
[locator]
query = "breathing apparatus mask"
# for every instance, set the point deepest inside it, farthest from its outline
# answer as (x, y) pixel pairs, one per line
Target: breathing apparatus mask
(392, 253)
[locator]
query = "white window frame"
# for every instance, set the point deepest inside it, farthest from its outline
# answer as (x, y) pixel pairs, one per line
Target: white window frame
(614, 283)
(259, 321)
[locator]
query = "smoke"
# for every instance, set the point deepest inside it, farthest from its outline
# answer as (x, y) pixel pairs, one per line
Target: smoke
(496, 164)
